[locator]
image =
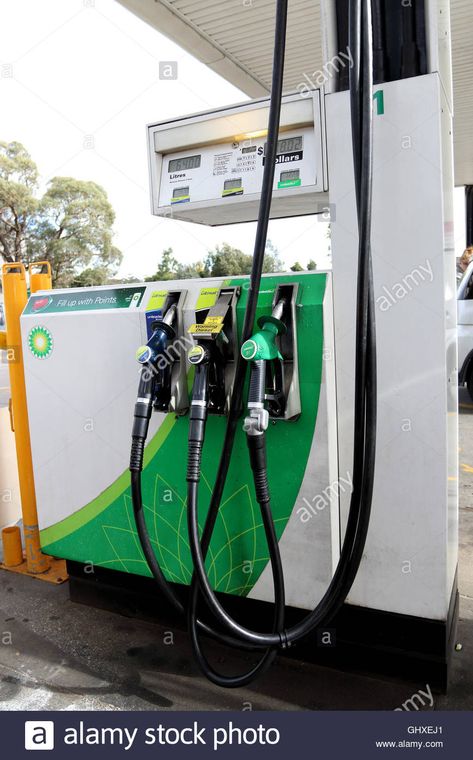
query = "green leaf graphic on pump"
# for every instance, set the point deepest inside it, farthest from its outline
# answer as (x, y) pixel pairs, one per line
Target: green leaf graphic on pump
(262, 345)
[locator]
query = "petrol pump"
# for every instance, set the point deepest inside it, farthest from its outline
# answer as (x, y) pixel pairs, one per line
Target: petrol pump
(294, 440)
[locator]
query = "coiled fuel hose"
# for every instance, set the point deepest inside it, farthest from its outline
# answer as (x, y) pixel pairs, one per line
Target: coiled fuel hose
(361, 79)
(230, 631)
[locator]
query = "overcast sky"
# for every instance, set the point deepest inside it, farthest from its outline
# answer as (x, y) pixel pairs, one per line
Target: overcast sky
(79, 82)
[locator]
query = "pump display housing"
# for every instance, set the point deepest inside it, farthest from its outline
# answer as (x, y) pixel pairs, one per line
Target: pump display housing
(208, 168)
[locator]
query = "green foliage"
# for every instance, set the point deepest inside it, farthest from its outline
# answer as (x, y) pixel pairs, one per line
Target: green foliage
(272, 260)
(297, 267)
(169, 268)
(311, 266)
(73, 229)
(70, 226)
(90, 277)
(227, 261)
(18, 183)
(128, 280)
(223, 261)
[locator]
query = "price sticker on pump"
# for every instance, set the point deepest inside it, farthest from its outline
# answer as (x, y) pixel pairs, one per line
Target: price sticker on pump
(212, 325)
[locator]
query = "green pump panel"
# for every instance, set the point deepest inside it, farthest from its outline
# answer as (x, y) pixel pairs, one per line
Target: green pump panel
(81, 448)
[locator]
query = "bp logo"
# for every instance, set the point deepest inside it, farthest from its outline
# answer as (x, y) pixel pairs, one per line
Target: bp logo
(40, 342)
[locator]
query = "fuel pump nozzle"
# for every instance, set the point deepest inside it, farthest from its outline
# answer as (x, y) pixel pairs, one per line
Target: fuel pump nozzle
(154, 387)
(261, 349)
(163, 332)
(208, 394)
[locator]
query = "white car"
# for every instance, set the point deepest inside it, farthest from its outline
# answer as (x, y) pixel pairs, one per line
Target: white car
(465, 330)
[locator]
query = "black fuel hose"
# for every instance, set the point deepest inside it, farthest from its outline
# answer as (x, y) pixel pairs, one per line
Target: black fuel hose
(409, 51)
(365, 401)
(143, 410)
(379, 49)
(361, 79)
(239, 380)
(197, 423)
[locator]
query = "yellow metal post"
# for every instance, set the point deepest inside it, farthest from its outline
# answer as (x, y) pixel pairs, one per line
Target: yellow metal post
(41, 279)
(12, 548)
(15, 297)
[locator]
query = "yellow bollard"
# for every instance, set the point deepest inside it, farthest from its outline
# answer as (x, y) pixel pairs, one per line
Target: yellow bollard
(41, 280)
(12, 549)
(15, 297)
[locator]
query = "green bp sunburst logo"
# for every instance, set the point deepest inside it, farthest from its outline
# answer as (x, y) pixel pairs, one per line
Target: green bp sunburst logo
(40, 342)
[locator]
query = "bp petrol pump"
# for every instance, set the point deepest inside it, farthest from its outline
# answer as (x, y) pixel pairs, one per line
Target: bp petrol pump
(294, 437)
(260, 349)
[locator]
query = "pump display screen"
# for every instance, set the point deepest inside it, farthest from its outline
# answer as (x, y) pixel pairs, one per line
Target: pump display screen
(288, 145)
(180, 192)
(290, 176)
(184, 164)
(232, 184)
(251, 149)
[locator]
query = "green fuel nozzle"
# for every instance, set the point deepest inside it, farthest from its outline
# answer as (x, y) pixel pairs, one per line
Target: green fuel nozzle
(262, 345)
(260, 349)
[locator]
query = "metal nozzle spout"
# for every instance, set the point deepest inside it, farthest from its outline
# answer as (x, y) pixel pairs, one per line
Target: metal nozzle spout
(170, 316)
(279, 308)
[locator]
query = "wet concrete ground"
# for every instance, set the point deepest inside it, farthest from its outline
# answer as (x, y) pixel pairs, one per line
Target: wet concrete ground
(57, 655)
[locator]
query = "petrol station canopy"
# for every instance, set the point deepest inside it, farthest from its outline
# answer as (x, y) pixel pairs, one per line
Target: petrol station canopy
(234, 38)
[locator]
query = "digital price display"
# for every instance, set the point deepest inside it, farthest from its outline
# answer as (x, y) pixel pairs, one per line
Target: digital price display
(184, 164)
(287, 145)
(290, 176)
(232, 184)
(180, 192)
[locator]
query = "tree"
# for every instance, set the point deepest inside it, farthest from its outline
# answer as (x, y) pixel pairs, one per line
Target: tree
(227, 261)
(297, 267)
(272, 259)
(73, 229)
(191, 271)
(311, 266)
(90, 277)
(70, 226)
(167, 267)
(223, 261)
(18, 183)
(128, 280)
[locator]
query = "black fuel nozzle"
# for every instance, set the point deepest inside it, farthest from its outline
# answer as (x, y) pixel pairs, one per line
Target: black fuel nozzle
(215, 334)
(201, 356)
(154, 387)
